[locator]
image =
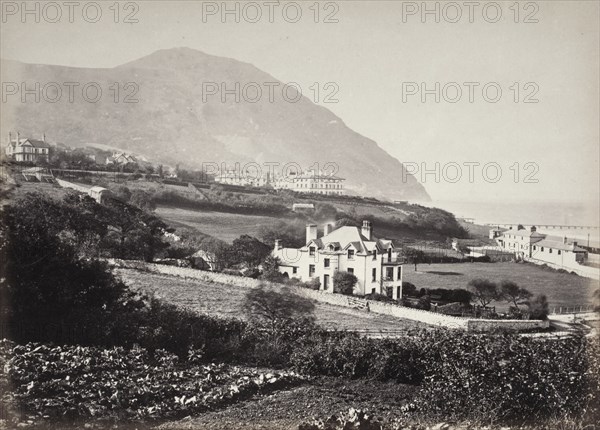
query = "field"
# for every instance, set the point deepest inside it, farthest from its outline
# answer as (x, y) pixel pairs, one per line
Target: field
(227, 301)
(562, 289)
(225, 226)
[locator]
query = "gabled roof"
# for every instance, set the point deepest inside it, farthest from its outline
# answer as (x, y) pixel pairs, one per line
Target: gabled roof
(336, 245)
(524, 233)
(33, 142)
(559, 244)
(385, 244)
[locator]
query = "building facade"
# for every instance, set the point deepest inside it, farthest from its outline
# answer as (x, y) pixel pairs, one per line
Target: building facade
(27, 149)
(531, 245)
(376, 263)
(306, 182)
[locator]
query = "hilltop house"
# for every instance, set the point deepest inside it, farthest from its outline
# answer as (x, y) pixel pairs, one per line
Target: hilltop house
(532, 245)
(375, 262)
(121, 158)
(27, 149)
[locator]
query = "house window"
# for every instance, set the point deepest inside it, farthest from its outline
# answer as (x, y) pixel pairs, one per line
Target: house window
(559, 252)
(311, 270)
(326, 262)
(542, 249)
(325, 282)
(550, 250)
(399, 272)
(294, 270)
(311, 251)
(389, 273)
(350, 270)
(534, 247)
(374, 273)
(374, 254)
(350, 254)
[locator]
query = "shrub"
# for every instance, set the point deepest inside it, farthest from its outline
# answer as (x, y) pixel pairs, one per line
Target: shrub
(344, 282)
(408, 289)
(538, 308)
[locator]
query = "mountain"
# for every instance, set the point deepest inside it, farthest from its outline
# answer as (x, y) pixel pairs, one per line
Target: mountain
(171, 123)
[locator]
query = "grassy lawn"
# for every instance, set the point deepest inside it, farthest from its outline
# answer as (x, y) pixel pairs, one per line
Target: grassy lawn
(225, 226)
(227, 301)
(562, 289)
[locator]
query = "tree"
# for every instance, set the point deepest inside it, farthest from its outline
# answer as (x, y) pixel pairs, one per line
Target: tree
(484, 291)
(249, 250)
(45, 282)
(414, 256)
(344, 282)
(272, 305)
(221, 250)
(538, 308)
(514, 294)
(271, 270)
(292, 235)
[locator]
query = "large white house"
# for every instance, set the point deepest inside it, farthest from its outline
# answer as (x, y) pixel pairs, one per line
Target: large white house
(27, 149)
(376, 263)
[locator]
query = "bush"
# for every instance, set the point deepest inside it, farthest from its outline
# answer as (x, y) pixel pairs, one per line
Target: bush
(344, 282)
(538, 308)
(408, 289)
(379, 298)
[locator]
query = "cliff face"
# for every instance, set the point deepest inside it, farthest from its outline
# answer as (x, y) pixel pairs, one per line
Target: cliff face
(171, 123)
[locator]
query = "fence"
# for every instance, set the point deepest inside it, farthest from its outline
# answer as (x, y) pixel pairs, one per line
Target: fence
(419, 315)
(559, 310)
(585, 271)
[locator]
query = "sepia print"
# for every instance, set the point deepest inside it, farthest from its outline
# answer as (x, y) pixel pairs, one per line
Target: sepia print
(303, 215)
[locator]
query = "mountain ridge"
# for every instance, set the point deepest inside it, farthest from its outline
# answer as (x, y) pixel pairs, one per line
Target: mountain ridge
(170, 122)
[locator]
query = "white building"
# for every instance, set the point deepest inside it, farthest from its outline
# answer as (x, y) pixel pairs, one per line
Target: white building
(306, 182)
(531, 245)
(27, 149)
(375, 262)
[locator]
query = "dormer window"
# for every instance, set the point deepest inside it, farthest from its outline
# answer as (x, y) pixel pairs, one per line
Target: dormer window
(311, 251)
(350, 254)
(374, 254)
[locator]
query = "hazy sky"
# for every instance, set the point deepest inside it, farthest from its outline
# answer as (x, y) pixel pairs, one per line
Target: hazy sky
(372, 53)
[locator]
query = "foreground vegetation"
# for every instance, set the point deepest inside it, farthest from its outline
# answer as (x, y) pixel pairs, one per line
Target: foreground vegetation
(80, 384)
(56, 293)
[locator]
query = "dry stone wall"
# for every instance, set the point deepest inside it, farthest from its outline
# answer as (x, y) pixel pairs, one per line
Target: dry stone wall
(426, 317)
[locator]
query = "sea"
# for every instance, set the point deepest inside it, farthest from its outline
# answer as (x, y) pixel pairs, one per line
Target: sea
(531, 212)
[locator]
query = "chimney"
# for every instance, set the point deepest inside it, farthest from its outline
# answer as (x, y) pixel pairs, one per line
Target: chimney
(44, 137)
(9, 137)
(328, 228)
(366, 229)
(278, 244)
(533, 228)
(311, 232)
(18, 138)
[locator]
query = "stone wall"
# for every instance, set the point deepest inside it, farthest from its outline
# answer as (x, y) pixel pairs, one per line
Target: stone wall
(76, 187)
(426, 317)
(585, 271)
